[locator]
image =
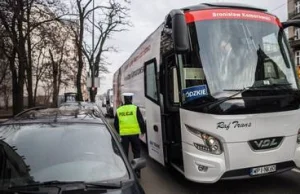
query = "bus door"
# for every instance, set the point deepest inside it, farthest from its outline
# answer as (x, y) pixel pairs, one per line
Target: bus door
(170, 110)
(153, 113)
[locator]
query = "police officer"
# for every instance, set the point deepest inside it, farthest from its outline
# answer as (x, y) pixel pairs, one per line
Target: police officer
(129, 123)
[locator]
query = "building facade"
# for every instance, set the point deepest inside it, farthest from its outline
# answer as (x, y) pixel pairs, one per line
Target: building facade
(294, 33)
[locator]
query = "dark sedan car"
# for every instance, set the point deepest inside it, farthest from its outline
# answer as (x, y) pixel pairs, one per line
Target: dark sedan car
(53, 151)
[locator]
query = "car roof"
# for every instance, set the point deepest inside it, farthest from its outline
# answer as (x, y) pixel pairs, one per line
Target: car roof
(58, 115)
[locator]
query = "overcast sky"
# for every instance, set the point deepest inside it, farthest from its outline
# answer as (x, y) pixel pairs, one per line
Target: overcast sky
(147, 15)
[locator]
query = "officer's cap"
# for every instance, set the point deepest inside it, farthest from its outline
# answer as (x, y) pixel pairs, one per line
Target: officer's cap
(127, 94)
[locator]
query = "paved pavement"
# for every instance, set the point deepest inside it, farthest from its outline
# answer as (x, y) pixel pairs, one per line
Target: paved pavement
(159, 180)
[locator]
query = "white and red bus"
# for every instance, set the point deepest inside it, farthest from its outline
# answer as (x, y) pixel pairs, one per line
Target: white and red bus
(219, 92)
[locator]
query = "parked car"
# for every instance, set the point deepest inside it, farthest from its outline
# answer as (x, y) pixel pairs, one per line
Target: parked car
(104, 102)
(69, 151)
(109, 103)
(69, 104)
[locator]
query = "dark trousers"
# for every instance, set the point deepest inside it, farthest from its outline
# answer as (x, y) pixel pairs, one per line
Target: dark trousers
(134, 140)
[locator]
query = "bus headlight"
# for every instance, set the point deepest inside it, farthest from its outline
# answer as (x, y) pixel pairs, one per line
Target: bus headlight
(210, 143)
(298, 137)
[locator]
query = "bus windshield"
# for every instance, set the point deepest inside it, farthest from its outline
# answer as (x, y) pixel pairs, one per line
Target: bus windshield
(233, 54)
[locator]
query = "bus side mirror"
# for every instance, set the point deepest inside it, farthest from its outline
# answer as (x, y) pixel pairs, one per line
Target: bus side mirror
(179, 31)
(290, 23)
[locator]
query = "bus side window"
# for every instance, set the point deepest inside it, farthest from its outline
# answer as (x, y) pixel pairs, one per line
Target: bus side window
(151, 80)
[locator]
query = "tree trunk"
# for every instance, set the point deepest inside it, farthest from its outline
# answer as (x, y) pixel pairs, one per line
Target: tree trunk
(19, 88)
(29, 63)
(21, 79)
(59, 80)
(35, 92)
(6, 99)
(17, 84)
(18, 93)
(80, 61)
(78, 83)
(55, 81)
(29, 76)
(93, 94)
(3, 75)
(55, 89)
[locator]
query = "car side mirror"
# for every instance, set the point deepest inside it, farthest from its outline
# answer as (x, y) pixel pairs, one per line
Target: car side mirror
(138, 163)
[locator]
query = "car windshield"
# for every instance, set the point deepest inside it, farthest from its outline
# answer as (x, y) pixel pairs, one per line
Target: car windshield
(64, 152)
(231, 54)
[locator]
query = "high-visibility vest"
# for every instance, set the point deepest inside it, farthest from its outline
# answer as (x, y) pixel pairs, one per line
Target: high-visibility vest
(128, 123)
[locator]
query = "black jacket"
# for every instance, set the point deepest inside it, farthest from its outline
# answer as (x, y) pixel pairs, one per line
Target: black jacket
(139, 118)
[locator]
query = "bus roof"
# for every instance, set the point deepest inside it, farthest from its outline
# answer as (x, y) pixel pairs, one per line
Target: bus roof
(222, 5)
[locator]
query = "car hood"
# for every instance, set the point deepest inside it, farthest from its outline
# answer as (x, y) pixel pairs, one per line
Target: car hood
(131, 187)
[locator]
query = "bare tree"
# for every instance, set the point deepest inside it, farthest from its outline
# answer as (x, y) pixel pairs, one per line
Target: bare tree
(5, 89)
(38, 13)
(16, 18)
(60, 56)
(82, 10)
(4, 62)
(11, 17)
(57, 71)
(5, 86)
(112, 18)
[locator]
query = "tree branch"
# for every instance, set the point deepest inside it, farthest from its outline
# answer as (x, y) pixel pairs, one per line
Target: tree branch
(91, 10)
(86, 5)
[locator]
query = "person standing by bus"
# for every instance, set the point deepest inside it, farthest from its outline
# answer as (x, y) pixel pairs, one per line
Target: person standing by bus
(129, 123)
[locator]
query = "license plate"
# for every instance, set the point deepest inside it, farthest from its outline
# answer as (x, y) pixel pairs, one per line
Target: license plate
(263, 170)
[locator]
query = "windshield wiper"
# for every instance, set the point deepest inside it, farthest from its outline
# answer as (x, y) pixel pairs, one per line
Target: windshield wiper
(218, 102)
(272, 86)
(102, 185)
(47, 183)
(277, 85)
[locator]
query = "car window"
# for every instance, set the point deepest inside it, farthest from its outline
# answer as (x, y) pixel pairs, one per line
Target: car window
(64, 152)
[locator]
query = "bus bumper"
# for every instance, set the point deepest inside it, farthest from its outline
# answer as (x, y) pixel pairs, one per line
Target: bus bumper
(214, 166)
(237, 161)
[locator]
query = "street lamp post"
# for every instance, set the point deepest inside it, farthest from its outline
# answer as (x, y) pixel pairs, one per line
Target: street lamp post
(93, 68)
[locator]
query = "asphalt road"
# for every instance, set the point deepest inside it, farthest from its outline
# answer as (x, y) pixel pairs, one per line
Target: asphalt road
(159, 180)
